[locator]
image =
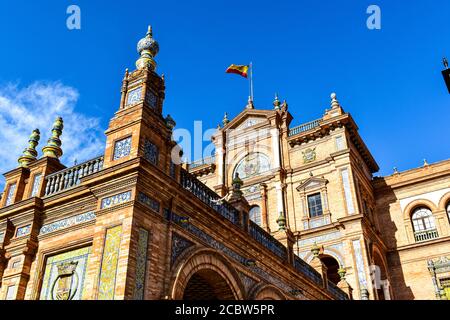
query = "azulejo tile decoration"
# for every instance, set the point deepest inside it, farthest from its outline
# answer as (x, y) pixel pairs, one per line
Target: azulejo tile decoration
(66, 223)
(359, 263)
(36, 184)
(179, 245)
(115, 200)
(110, 259)
(141, 265)
(23, 231)
(151, 152)
(122, 148)
(148, 201)
(9, 198)
(70, 266)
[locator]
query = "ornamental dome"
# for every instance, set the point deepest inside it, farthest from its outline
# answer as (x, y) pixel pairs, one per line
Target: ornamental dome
(148, 43)
(148, 48)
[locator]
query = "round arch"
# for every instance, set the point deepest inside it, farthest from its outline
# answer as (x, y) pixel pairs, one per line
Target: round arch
(329, 252)
(266, 292)
(444, 201)
(415, 204)
(259, 162)
(203, 265)
(378, 259)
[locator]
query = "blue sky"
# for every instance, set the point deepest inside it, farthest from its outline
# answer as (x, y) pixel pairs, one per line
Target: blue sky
(388, 79)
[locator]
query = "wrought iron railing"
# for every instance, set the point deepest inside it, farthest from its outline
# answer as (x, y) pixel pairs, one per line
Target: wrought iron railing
(70, 177)
(336, 291)
(209, 197)
(426, 235)
(267, 240)
(301, 266)
(198, 163)
(304, 127)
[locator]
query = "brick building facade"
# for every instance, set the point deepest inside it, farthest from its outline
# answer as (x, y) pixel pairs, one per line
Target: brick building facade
(276, 213)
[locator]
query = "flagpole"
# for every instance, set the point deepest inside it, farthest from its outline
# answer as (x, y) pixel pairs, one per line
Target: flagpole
(251, 81)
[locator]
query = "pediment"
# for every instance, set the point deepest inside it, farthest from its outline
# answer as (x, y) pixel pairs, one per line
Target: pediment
(248, 118)
(312, 183)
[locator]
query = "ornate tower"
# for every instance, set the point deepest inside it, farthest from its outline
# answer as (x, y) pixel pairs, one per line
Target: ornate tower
(138, 128)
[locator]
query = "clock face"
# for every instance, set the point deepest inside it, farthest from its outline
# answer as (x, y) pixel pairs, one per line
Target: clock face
(151, 99)
(134, 96)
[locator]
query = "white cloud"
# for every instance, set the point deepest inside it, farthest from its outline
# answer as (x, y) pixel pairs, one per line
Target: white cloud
(23, 109)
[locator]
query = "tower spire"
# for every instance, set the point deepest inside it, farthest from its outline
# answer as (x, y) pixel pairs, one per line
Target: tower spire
(147, 48)
(53, 147)
(30, 153)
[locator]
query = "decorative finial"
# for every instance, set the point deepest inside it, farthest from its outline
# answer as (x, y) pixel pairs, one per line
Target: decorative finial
(445, 62)
(276, 102)
(334, 101)
(342, 272)
(30, 153)
(281, 221)
(170, 123)
(237, 183)
(148, 48)
(53, 147)
(126, 74)
(284, 105)
(425, 163)
(219, 126)
(395, 170)
(225, 120)
(315, 249)
(250, 103)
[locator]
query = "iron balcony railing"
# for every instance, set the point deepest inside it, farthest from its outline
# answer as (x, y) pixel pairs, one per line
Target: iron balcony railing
(426, 235)
(201, 162)
(70, 177)
(267, 240)
(304, 127)
(209, 197)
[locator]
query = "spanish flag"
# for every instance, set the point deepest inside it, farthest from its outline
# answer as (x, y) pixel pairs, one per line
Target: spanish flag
(238, 69)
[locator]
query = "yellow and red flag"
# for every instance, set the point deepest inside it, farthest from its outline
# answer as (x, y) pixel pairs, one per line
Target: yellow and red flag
(238, 69)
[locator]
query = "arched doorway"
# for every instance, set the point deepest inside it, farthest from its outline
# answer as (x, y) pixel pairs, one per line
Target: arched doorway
(382, 287)
(207, 285)
(332, 268)
(205, 274)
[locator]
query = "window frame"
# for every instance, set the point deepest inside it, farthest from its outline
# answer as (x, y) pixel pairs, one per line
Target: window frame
(317, 205)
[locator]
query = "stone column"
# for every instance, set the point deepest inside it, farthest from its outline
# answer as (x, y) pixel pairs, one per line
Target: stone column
(344, 285)
(286, 237)
(237, 200)
(318, 265)
(264, 213)
(275, 135)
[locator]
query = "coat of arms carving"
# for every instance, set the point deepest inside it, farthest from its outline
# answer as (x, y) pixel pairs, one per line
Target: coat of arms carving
(66, 283)
(309, 155)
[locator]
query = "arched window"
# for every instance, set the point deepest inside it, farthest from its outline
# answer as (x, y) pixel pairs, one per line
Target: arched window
(252, 165)
(255, 215)
(448, 210)
(423, 224)
(423, 220)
